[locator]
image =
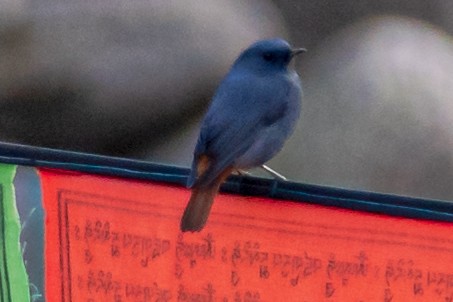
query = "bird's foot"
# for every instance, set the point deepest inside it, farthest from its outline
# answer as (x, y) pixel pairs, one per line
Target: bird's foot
(242, 172)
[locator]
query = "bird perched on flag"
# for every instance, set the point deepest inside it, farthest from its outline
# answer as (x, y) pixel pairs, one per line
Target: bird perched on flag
(253, 112)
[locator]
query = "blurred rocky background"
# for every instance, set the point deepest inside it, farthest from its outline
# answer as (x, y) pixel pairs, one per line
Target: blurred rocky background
(133, 78)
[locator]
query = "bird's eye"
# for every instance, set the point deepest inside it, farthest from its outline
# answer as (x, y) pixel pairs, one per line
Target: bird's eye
(268, 56)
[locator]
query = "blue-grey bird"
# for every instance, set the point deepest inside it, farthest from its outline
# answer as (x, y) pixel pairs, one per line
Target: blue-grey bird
(252, 113)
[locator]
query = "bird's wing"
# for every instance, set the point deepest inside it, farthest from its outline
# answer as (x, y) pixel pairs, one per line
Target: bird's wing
(240, 111)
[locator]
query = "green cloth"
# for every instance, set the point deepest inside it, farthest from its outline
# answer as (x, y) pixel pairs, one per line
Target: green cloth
(13, 278)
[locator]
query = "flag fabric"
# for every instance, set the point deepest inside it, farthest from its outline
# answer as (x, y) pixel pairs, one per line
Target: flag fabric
(111, 239)
(13, 278)
(111, 233)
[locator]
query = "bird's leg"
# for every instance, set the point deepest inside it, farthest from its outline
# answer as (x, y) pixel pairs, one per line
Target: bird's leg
(274, 174)
(243, 172)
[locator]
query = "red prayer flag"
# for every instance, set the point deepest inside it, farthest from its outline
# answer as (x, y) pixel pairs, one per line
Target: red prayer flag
(113, 239)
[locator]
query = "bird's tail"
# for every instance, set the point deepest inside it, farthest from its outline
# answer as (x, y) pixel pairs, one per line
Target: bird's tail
(200, 203)
(197, 210)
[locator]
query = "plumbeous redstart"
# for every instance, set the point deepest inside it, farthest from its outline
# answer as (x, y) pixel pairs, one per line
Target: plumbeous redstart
(253, 112)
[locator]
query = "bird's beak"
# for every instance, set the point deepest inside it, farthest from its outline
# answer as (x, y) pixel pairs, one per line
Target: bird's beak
(296, 51)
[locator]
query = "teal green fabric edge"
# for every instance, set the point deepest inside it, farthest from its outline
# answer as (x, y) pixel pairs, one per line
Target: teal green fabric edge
(13, 277)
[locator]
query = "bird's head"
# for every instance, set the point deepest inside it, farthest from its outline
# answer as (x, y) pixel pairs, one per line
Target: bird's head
(267, 55)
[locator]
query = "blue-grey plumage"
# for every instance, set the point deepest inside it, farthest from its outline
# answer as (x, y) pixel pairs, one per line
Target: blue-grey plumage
(253, 112)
